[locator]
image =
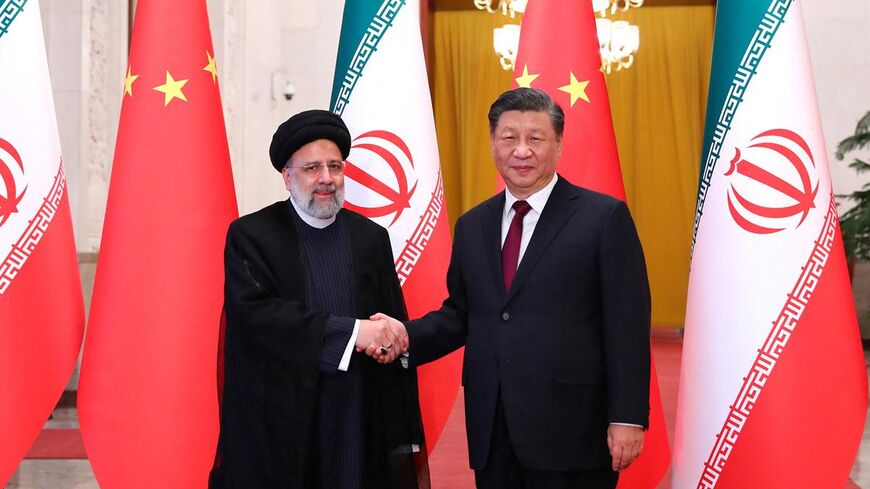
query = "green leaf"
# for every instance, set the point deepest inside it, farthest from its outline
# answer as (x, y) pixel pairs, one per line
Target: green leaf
(859, 140)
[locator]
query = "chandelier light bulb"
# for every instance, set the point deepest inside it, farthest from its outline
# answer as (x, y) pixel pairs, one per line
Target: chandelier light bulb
(610, 7)
(603, 27)
(506, 40)
(518, 5)
(506, 7)
(600, 6)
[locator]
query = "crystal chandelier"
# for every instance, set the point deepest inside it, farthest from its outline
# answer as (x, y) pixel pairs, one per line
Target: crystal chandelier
(506, 7)
(602, 6)
(618, 41)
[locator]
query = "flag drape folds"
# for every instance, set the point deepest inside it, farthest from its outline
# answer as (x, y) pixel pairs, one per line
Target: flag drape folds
(41, 309)
(148, 397)
(773, 388)
(381, 90)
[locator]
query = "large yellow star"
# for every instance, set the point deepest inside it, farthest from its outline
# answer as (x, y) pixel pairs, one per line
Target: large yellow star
(211, 67)
(526, 79)
(577, 89)
(171, 89)
(128, 82)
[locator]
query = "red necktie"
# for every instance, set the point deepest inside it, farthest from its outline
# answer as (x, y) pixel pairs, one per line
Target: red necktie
(510, 252)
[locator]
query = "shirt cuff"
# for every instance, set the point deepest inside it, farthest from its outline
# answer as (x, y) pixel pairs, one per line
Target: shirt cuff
(622, 424)
(348, 350)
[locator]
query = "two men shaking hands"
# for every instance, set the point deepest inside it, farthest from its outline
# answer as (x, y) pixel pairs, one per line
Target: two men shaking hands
(547, 291)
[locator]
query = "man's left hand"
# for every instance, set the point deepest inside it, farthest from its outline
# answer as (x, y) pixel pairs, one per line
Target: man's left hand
(625, 443)
(397, 329)
(398, 340)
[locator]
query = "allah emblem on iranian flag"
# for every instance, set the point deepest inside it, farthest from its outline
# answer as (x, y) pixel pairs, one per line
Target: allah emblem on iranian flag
(11, 179)
(774, 184)
(384, 166)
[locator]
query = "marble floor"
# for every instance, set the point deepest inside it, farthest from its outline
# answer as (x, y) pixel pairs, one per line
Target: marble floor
(448, 464)
(55, 473)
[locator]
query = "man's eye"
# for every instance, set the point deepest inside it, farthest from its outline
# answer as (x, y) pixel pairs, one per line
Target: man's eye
(333, 166)
(310, 168)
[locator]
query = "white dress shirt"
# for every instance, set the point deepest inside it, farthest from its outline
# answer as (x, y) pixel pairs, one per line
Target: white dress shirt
(537, 201)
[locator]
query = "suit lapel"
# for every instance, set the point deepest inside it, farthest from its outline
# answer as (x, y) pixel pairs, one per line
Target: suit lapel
(556, 214)
(492, 237)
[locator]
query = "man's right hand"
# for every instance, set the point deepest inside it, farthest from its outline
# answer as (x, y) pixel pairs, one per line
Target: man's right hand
(375, 336)
(397, 327)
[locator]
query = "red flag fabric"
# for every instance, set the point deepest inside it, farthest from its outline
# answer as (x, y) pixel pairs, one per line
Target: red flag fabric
(41, 310)
(558, 53)
(147, 396)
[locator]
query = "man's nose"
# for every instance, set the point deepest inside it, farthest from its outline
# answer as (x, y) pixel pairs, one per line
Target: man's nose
(324, 176)
(522, 150)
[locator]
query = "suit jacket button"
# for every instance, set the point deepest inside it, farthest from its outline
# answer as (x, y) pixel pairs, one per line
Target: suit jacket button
(505, 316)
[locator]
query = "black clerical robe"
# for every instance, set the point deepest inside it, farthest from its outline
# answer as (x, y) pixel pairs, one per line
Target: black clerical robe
(272, 360)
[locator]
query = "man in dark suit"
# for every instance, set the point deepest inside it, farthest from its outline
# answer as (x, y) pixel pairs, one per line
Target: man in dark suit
(548, 292)
(300, 409)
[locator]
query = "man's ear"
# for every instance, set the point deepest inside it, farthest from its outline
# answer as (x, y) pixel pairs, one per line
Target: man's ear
(285, 175)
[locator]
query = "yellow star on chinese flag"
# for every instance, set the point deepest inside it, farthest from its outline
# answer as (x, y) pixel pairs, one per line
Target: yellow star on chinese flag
(526, 79)
(211, 67)
(128, 82)
(171, 89)
(577, 89)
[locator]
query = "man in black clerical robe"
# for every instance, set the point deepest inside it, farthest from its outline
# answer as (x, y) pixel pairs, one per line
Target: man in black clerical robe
(303, 406)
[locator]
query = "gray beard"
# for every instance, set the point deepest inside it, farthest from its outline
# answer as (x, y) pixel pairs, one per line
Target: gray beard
(320, 210)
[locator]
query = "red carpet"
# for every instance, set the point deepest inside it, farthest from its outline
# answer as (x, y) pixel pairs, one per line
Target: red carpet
(58, 443)
(448, 464)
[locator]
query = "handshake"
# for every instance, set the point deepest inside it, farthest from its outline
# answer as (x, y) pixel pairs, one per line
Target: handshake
(382, 338)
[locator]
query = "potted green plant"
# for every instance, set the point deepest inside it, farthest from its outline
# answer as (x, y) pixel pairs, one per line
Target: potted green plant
(855, 222)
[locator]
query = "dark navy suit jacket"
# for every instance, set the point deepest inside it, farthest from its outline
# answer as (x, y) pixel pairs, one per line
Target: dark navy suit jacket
(567, 345)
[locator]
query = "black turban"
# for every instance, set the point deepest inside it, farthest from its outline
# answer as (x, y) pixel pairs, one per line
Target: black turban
(304, 128)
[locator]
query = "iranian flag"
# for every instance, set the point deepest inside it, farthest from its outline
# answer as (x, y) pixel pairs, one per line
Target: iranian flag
(41, 310)
(558, 53)
(381, 90)
(773, 390)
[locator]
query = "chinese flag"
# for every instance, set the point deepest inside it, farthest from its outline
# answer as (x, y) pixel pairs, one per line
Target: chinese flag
(147, 396)
(41, 310)
(558, 53)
